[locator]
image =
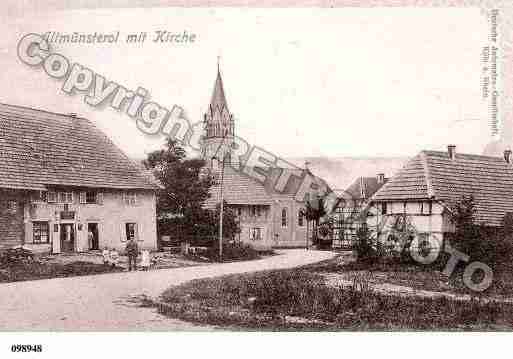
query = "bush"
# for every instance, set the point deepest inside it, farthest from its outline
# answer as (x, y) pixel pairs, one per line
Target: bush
(231, 251)
(367, 249)
(485, 244)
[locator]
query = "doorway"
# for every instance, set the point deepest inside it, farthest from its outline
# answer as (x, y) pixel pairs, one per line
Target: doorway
(93, 238)
(67, 237)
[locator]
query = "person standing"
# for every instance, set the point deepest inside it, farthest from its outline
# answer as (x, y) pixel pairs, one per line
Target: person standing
(145, 259)
(90, 237)
(132, 251)
(106, 256)
(113, 257)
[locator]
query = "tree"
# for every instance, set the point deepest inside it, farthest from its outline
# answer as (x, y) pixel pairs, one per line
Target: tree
(184, 190)
(314, 211)
(180, 202)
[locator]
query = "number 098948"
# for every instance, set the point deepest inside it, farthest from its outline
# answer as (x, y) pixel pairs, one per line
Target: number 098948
(26, 348)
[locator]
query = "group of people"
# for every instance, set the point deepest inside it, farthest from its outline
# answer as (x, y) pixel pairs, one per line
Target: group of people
(111, 256)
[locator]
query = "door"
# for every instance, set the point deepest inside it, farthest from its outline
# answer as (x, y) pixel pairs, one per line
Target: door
(67, 237)
(93, 236)
(56, 240)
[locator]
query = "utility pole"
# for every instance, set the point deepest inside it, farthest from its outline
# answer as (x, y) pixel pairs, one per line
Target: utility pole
(221, 199)
(221, 213)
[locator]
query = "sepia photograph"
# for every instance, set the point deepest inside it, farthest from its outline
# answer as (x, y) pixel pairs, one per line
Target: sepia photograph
(299, 168)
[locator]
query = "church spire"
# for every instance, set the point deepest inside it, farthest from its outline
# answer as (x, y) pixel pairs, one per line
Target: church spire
(218, 123)
(218, 120)
(218, 99)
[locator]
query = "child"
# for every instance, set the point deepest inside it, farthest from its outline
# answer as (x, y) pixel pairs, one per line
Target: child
(114, 257)
(145, 259)
(105, 254)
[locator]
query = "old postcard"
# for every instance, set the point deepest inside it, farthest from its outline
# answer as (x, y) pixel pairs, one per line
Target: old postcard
(297, 167)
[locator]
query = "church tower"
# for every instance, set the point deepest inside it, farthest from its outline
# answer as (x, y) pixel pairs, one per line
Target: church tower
(219, 127)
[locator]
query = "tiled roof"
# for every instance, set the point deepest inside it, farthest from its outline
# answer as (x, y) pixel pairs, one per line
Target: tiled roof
(241, 189)
(432, 174)
(41, 149)
(408, 183)
(370, 186)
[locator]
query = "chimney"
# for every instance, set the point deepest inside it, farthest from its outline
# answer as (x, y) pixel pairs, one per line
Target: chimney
(451, 149)
(381, 178)
(507, 156)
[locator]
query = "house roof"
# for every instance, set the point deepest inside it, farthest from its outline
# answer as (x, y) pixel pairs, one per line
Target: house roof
(42, 149)
(238, 189)
(434, 175)
(370, 186)
(241, 189)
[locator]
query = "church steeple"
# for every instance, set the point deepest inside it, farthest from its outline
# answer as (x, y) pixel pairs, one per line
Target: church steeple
(218, 119)
(218, 123)
(218, 99)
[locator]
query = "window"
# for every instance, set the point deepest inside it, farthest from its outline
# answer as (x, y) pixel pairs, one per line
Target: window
(284, 217)
(384, 208)
(239, 211)
(12, 207)
(130, 198)
(256, 234)
(255, 211)
(131, 231)
(425, 207)
(65, 197)
(300, 217)
(91, 197)
(52, 197)
(40, 232)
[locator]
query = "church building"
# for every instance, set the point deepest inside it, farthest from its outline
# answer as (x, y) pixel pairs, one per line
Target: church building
(267, 218)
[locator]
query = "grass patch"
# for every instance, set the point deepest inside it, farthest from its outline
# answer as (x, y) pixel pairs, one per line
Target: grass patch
(32, 270)
(232, 252)
(393, 272)
(300, 300)
(417, 276)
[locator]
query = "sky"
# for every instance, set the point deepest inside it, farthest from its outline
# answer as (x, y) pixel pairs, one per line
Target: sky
(359, 82)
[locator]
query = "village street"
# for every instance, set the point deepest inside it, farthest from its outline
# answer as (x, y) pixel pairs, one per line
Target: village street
(107, 301)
